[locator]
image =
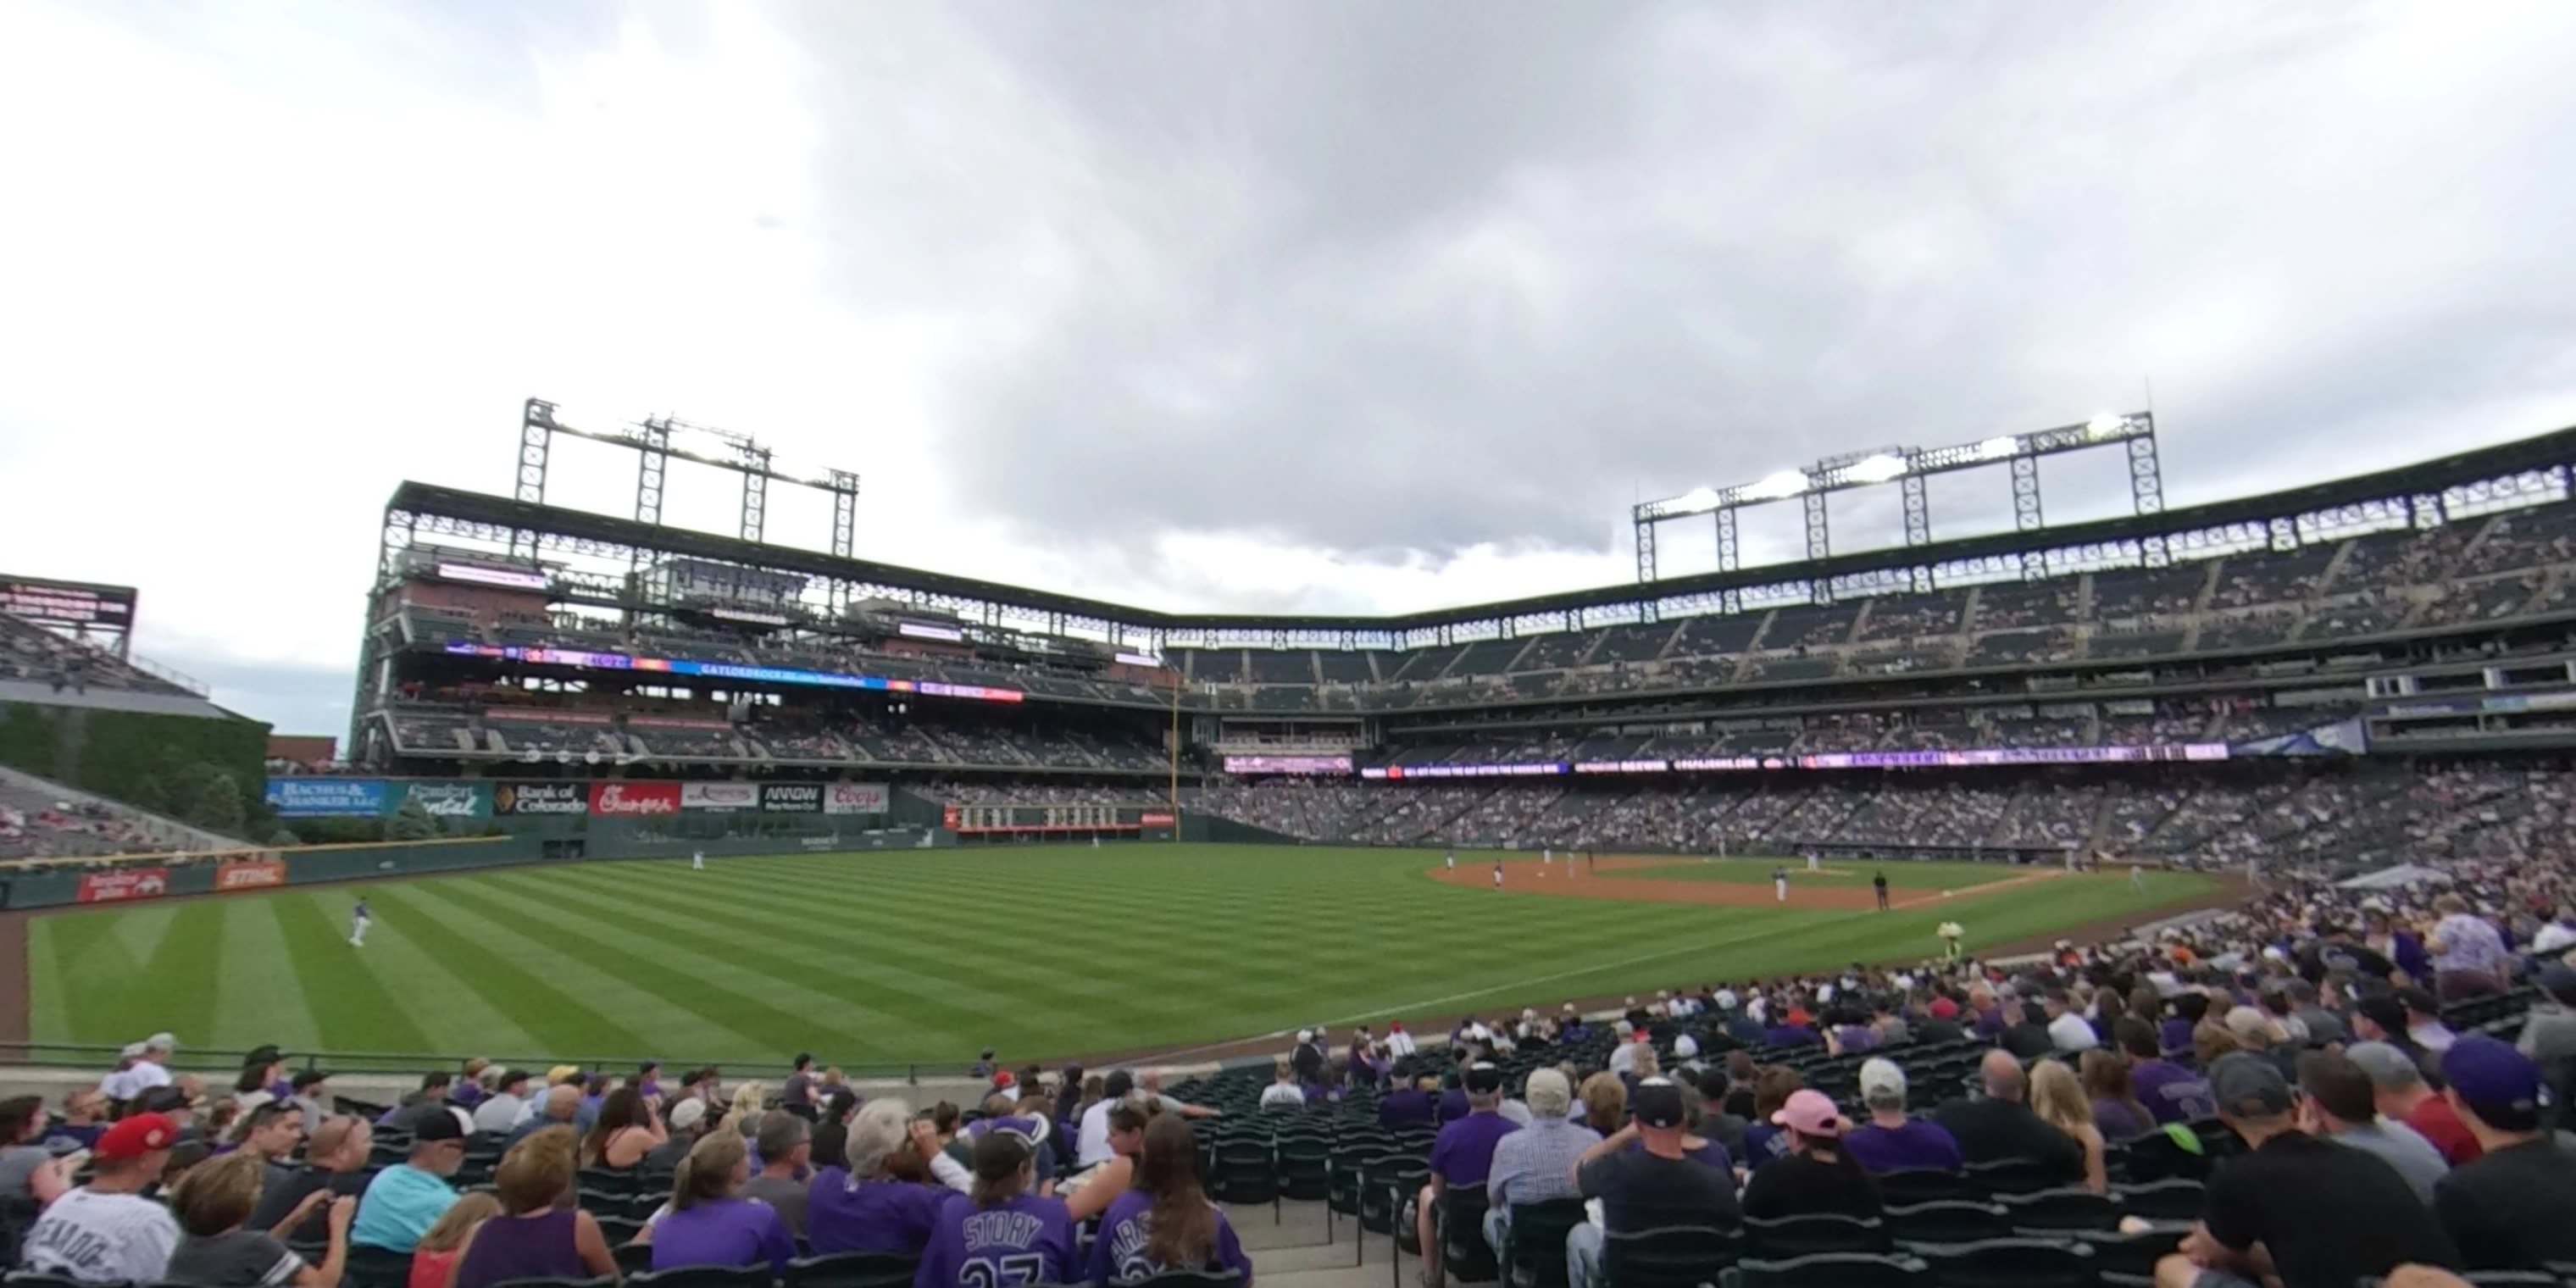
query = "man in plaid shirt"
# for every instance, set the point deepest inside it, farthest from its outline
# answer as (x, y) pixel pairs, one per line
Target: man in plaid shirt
(1536, 1163)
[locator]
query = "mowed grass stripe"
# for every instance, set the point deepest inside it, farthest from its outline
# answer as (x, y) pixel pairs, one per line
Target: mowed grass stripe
(262, 989)
(344, 1002)
(531, 1000)
(924, 956)
(745, 966)
(638, 958)
(972, 977)
(616, 1009)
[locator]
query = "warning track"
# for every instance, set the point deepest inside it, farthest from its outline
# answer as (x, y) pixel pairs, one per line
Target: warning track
(1626, 879)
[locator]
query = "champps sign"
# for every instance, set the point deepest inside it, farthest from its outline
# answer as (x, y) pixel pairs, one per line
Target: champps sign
(719, 796)
(630, 800)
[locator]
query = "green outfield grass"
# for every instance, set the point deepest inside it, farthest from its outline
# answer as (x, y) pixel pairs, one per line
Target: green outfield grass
(1901, 876)
(929, 955)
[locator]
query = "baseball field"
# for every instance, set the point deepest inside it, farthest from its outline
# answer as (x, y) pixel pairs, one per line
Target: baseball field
(1041, 951)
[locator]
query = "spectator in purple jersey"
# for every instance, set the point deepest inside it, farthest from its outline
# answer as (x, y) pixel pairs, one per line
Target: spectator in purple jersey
(1165, 1221)
(2189, 1009)
(1464, 1153)
(879, 1203)
(648, 1081)
(709, 1223)
(1000, 1234)
(2117, 1112)
(1891, 1141)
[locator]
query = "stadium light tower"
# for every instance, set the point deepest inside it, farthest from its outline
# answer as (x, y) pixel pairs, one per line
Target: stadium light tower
(2134, 433)
(651, 441)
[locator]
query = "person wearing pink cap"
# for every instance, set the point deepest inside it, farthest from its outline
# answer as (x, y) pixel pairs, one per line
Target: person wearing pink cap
(106, 1231)
(1819, 1174)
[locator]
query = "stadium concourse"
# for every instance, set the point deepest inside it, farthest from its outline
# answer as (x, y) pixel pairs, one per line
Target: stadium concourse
(2327, 1083)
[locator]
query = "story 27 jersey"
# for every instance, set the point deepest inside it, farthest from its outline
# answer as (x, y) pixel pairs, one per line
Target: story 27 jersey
(1028, 1240)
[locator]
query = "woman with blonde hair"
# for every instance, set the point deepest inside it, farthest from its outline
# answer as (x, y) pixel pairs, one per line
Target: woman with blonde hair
(709, 1223)
(1605, 1103)
(214, 1203)
(433, 1263)
(2057, 1096)
(539, 1233)
(749, 1100)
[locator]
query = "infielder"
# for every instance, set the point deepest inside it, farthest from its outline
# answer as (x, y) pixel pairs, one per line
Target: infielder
(1780, 884)
(1498, 874)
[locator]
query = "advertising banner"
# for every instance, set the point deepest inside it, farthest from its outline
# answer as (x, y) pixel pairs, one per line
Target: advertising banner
(855, 798)
(541, 798)
(634, 800)
(791, 798)
(719, 797)
(450, 800)
(1154, 818)
(123, 884)
(1287, 764)
(328, 797)
(250, 874)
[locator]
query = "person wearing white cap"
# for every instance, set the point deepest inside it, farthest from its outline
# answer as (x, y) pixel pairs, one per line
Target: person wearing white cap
(143, 1067)
(1308, 1058)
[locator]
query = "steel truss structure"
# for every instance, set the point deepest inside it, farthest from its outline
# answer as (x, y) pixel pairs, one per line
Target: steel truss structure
(1907, 468)
(588, 557)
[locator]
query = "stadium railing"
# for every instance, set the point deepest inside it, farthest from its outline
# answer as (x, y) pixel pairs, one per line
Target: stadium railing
(222, 1061)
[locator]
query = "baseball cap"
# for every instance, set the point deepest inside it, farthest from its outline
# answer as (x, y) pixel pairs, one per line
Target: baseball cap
(308, 1079)
(2387, 1066)
(1878, 1074)
(1811, 1113)
(2249, 1086)
(1657, 1102)
(1305, 1035)
(2499, 1084)
(687, 1114)
(2385, 1011)
(513, 1077)
(1005, 1079)
(1944, 1009)
(2558, 979)
(136, 1136)
(441, 1125)
(2419, 1001)
(561, 1074)
(161, 1100)
(2246, 1022)
(1482, 1078)
(259, 1055)
(161, 1042)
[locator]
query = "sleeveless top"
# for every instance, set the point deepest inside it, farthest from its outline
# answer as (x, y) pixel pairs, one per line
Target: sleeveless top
(516, 1247)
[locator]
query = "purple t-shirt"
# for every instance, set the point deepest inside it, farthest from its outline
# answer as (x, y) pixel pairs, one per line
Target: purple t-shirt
(1028, 1240)
(2171, 1092)
(1453, 1105)
(1918, 1145)
(1119, 1253)
(2173, 1035)
(1465, 1151)
(726, 1232)
(842, 1215)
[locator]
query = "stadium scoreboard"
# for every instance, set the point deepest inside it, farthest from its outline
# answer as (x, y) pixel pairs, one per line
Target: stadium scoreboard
(67, 603)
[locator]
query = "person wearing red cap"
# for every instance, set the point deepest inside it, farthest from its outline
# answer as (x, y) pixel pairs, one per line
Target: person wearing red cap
(106, 1231)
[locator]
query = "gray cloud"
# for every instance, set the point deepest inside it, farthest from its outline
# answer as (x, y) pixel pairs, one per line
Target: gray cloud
(1391, 278)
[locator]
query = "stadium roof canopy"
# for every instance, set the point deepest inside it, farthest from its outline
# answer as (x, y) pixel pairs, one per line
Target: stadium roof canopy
(2422, 483)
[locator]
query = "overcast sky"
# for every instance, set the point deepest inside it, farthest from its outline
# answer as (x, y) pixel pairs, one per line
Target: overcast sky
(1304, 306)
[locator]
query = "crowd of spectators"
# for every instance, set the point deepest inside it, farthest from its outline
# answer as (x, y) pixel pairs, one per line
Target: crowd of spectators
(2371, 814)
(31, 653)
(33, 827)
